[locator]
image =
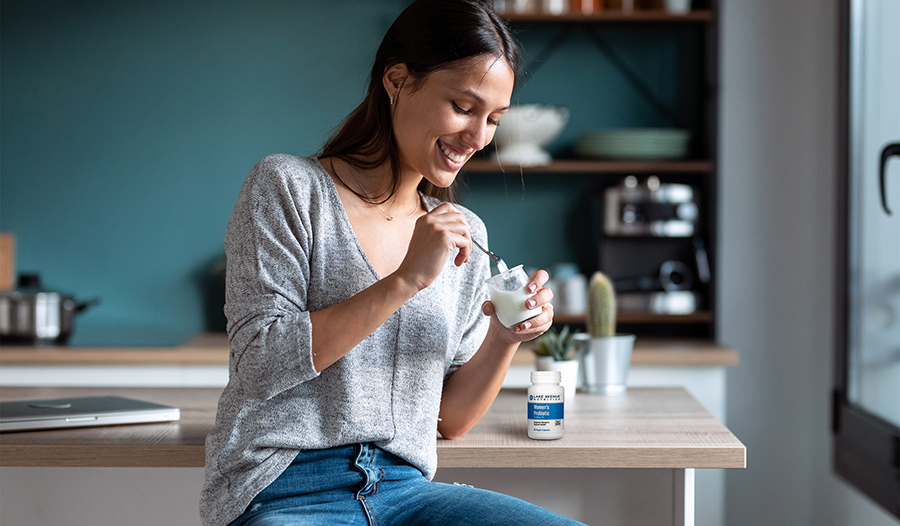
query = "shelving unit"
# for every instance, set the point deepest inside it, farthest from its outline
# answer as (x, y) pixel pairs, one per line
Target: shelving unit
(698, 77)
(641, 317)
(615, 16)
(586, 166)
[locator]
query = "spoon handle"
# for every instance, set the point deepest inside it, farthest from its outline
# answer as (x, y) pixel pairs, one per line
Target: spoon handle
(501, 266)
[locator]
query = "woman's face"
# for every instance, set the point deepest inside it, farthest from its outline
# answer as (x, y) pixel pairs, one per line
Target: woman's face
(449, 115)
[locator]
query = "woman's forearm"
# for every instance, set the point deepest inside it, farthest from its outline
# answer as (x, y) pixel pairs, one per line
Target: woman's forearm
(471, 389)
(341, 327)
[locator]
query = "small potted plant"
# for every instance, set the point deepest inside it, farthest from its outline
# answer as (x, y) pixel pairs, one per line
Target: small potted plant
(559, 351)
(604, 367)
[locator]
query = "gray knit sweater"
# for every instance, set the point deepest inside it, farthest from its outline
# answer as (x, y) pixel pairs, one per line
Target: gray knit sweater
(291, 251)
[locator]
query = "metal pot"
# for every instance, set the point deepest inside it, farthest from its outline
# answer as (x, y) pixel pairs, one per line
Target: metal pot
(32, 316)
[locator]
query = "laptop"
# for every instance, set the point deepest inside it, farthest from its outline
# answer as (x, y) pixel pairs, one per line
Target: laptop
(79, 412)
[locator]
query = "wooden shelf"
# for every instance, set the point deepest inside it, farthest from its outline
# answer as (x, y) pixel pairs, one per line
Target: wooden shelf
(211, 349)
(118, 356)
(637, 16)
(642, 317)
(573, 166)
(652, 351)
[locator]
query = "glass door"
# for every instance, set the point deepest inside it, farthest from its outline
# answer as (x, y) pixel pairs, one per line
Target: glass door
(866, 416)
(874, 208)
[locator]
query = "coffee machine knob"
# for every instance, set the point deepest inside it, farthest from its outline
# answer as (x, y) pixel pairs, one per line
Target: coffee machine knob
(687, 211)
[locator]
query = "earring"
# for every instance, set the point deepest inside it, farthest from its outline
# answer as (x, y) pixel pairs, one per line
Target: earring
(392, 99)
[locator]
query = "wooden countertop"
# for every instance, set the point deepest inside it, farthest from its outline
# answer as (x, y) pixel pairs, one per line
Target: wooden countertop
(644, 428)
(212, 349)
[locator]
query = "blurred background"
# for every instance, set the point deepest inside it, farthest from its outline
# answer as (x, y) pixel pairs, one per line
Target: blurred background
(128, 127)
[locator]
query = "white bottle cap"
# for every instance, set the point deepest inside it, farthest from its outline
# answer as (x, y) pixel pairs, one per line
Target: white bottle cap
(546, 377)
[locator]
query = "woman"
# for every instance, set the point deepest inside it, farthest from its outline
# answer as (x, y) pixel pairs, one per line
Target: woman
(355, 304)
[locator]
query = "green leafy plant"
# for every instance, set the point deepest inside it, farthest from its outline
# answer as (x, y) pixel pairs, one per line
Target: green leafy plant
(562, 346)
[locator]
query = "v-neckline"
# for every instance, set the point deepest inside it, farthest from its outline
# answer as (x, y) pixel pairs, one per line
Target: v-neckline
(336, 196)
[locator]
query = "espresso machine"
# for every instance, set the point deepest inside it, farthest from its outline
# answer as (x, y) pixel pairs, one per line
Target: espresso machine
(650, 208)
(648, 242)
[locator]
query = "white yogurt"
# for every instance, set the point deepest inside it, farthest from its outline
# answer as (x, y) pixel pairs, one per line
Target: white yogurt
(510, 306)
(508, 295)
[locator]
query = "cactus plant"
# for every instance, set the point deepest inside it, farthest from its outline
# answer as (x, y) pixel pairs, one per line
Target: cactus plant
(561, 346)
(601, 307)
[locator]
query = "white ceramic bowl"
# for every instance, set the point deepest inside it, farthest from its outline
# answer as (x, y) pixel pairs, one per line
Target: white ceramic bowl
(525, 129)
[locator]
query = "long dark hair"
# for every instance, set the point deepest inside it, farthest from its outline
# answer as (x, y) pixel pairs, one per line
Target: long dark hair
(429, 35)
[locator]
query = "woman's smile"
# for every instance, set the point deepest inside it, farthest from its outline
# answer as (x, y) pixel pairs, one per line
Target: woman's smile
(455, 157)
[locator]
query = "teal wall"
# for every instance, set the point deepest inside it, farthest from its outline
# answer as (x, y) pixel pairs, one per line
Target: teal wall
(128, 127)
(543, 219)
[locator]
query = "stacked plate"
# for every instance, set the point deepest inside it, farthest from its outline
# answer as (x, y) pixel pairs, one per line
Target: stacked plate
(634, 143)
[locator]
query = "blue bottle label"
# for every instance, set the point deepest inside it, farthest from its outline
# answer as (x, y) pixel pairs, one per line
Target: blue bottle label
(545, 410)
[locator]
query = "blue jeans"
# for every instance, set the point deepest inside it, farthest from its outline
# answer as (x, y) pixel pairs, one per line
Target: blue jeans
(362, 485)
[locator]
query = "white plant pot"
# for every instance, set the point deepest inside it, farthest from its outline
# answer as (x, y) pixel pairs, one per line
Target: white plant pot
(605, 365)
(568, 370)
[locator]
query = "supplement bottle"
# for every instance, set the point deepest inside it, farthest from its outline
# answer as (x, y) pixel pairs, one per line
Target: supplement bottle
(546, 399)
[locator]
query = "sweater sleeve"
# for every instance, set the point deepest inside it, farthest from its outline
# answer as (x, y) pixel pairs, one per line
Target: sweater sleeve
(267, 243)
(475, 322)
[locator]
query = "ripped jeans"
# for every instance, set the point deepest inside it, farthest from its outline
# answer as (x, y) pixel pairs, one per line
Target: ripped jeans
(362, 485)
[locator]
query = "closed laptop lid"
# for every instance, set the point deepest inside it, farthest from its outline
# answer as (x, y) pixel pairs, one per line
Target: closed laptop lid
(81, 411)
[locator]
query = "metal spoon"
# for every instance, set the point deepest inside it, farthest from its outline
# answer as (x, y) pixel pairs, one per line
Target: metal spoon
(501, 266)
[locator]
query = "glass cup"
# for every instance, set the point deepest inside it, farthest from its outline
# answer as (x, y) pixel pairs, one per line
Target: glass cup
(508, 295)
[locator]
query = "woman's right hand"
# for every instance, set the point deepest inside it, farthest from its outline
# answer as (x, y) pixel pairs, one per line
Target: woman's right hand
(436, 235)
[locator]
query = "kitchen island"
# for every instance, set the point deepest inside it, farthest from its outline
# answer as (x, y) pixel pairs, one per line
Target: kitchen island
(699, 366)
(663, 431)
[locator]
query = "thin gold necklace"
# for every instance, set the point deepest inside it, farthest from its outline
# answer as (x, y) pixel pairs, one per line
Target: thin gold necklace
(369, 199)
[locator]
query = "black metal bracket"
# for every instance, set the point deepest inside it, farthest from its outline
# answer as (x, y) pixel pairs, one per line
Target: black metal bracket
(566, 33)
(562, 36)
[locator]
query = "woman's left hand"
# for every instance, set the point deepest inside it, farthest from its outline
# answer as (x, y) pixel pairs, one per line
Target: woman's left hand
(530, 328)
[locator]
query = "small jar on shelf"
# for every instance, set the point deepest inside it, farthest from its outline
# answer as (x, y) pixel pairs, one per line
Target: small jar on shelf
(553, 7)
(586, 7)
(516, 6)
